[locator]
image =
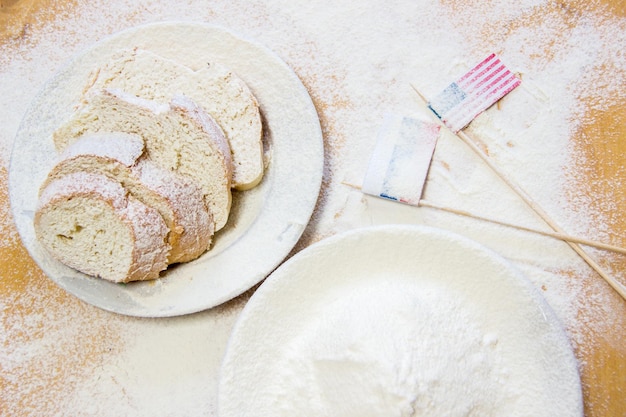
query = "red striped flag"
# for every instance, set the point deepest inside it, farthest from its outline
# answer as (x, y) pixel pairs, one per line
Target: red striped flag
(473, 93)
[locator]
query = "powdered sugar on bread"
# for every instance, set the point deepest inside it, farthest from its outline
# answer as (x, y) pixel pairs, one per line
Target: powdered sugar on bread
(123, 147)
(90, 223)
(179, 137)
(118, 156)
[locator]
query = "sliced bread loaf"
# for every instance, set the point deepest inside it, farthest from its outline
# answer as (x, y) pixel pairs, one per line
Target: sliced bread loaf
(214, 87)
(179, 201)
(90, 223)
(179, 137)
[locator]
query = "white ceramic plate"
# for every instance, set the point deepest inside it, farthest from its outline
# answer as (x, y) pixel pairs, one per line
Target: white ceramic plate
(265, 223)
(398, 320)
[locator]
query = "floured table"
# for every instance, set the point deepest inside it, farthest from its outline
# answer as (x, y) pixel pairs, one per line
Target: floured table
(560, 135)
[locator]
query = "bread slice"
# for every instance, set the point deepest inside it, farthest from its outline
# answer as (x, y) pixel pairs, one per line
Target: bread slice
(192, 223)
(179, 201)
(89, 222)
(215, 88)
(179, 136)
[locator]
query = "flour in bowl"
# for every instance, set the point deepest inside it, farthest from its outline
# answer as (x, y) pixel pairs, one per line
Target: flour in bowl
(383, 351)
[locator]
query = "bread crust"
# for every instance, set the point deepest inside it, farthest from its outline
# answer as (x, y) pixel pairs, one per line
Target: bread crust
(192, 229)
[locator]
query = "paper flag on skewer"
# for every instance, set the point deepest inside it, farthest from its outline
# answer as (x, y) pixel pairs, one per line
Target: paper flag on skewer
(465, 99)
(401, 158)
(400, 163)
(477, 90)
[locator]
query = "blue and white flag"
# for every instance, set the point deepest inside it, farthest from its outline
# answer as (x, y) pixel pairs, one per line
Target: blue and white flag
(401, 158)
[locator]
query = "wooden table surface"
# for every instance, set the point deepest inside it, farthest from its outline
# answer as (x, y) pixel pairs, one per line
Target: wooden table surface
(30, 301)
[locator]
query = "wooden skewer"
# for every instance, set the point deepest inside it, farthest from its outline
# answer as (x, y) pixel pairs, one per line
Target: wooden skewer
(554, 235)
(618, 287)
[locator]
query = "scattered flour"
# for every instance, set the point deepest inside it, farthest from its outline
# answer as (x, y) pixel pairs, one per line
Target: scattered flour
(61, 357)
